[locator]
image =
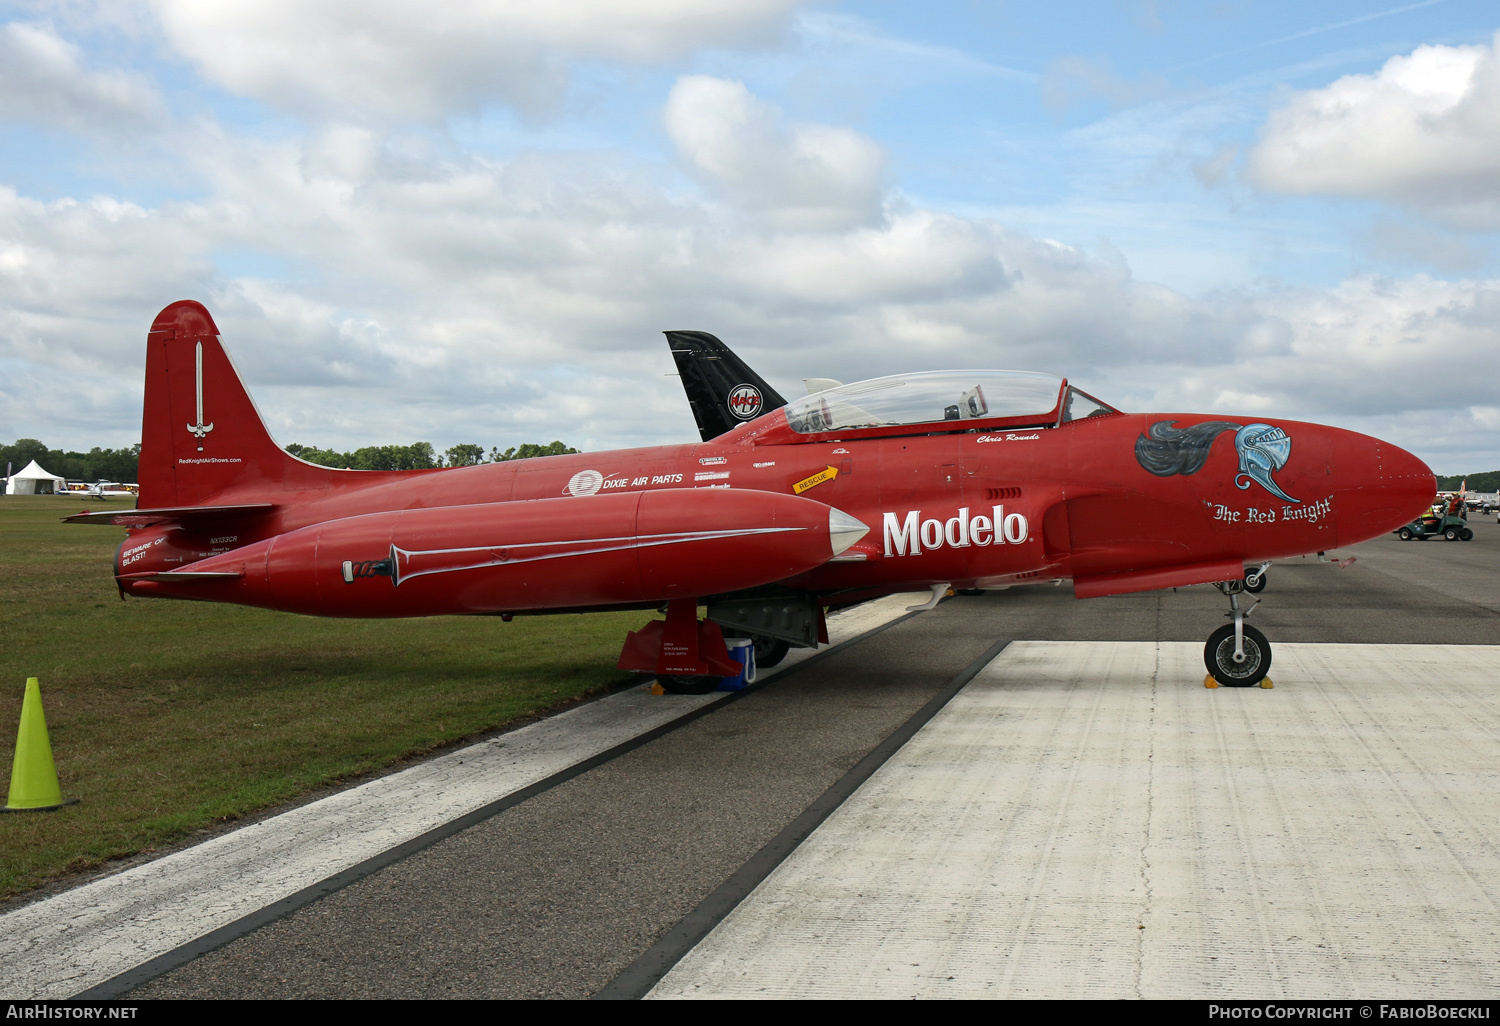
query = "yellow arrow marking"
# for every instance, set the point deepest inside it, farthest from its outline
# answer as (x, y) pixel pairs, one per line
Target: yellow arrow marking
(827, 474)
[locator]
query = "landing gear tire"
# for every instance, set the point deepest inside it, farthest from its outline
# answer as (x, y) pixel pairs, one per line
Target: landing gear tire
(679, 685)
(770, 651)
(1467, 534)
(1218, 656)
(1404, 534)
(1451, 534)
(1255, 583)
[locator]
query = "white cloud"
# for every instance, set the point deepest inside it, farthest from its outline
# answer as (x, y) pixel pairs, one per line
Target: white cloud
(68, 269)
(1423, 132)
(803, 175)
(1403, 244)
(460, 299)
(43, 81)
(1375, 345)
(384, 59)
(454, 298)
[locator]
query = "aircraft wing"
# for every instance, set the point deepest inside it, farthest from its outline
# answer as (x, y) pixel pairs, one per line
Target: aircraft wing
(177, 514)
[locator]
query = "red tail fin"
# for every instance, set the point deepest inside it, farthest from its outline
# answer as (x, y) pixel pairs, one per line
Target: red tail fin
(202, 439)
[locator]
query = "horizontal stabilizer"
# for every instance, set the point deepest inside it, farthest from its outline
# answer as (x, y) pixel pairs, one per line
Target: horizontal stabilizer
(179, 576)
(175, 514)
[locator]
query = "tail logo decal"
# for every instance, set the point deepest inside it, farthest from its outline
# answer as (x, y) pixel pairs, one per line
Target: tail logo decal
(200, 429)
(745, 401)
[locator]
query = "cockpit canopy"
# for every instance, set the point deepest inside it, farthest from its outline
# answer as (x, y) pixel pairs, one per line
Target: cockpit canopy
(944, 400)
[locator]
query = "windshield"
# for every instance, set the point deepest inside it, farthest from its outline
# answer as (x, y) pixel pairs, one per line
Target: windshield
(1081, 406)
(927, 398)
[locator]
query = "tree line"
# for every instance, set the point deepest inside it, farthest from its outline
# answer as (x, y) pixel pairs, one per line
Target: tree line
(124, 464)
(1488, 481)
(421, 455)
(95, 465)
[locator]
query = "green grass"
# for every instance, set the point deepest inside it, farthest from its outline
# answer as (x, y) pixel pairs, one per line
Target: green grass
(169, 717)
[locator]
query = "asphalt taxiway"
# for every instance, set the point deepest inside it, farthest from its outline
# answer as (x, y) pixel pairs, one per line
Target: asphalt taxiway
(1079, 817)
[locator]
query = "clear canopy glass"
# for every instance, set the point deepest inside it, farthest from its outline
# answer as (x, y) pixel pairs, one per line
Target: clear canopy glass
(1082, 406)
(931, 397)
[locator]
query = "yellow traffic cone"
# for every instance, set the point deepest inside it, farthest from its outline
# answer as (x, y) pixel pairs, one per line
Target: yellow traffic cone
(33, 776)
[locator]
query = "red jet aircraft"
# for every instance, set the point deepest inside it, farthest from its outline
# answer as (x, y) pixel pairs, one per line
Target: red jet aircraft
(971, 479)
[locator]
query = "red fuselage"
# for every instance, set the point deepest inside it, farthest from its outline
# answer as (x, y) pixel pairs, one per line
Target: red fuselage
(971, 478)
(974, 508)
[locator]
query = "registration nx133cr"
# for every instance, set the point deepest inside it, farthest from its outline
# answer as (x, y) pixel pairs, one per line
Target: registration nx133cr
(968, 479)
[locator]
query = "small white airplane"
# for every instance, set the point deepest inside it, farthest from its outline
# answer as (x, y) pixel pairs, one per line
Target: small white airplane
(102, 489)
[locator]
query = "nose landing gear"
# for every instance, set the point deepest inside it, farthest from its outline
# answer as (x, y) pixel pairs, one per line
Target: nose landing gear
(1237, 655)
(1255, 578)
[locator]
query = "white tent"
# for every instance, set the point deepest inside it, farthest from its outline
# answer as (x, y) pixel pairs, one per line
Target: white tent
(35, 481)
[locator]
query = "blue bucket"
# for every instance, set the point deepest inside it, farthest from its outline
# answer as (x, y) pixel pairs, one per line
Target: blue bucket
(742, 651)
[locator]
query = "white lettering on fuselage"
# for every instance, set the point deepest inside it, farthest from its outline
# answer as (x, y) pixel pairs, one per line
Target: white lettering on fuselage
(1312, 512)
(911, 534)
(1009, 437)
(658, 479)
(136, 552)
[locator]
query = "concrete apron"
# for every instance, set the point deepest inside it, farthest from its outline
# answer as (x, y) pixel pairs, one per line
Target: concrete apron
(1085, 820)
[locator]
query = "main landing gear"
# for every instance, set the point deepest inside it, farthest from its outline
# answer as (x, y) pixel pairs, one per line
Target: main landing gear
(1237, 655)
(680, 684)
(768, 651)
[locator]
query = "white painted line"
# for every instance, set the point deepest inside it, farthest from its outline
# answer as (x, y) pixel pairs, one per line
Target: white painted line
(1086, 820)
(60, 946)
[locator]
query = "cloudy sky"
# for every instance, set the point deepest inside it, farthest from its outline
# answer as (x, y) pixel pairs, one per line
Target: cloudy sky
(470, 221)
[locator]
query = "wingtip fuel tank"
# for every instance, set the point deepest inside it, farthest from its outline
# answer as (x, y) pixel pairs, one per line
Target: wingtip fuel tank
(625, 549)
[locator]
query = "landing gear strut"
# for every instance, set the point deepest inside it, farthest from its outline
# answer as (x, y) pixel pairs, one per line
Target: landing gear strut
(688, 657)
(1237, 655)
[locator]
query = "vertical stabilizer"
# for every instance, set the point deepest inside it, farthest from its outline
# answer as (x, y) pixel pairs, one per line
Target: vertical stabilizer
(722, 390)
(201, 435)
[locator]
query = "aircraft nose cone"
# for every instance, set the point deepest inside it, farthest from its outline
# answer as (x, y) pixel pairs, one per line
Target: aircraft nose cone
(1388, 488)
(844, 530)
(1411, 480)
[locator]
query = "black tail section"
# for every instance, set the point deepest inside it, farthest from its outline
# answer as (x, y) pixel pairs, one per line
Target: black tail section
(722, 390)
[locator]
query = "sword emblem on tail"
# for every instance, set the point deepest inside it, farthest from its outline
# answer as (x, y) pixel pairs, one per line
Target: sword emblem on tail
(200, 429)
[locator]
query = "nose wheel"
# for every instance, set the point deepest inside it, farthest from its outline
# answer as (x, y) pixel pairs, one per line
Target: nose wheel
(1255, 578)
(1218, 656)
(1237, 655)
